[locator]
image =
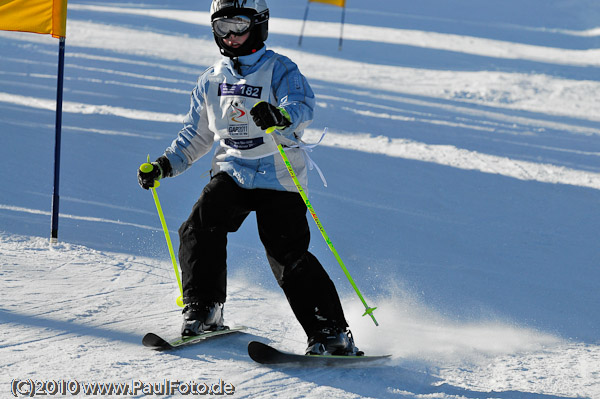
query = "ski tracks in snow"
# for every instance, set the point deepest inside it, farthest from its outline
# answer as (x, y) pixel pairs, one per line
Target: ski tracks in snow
(98, 329)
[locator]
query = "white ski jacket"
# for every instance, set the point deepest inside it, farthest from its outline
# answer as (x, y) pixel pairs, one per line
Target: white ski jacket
(220, 112)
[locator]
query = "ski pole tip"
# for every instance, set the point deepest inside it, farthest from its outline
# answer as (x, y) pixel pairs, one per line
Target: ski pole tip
(369, 311)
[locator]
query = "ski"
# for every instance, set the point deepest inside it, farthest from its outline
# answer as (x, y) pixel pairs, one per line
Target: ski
(156, 342)
(265, 354)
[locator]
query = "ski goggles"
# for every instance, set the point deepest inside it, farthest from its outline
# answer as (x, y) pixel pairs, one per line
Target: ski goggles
(238, 25)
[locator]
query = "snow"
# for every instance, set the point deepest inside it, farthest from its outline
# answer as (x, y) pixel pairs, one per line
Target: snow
(463, 196)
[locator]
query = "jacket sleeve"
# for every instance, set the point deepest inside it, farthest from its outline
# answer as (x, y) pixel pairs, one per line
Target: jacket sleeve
(194, 139)
(292, 92)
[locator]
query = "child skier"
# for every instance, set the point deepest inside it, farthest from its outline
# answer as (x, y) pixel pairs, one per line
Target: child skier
(250, 90)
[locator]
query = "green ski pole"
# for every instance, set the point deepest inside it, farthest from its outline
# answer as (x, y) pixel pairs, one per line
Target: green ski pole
(290, 168)
(146, 168)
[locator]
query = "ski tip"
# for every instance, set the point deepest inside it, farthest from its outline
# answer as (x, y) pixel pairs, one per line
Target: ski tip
(260, 352)
(152, 340)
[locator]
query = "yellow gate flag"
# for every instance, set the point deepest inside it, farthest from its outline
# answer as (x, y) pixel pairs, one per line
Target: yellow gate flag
(339, 3)
(37, 16)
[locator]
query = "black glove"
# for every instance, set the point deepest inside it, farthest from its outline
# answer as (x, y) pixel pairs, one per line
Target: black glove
(266, 115)
(148, 173)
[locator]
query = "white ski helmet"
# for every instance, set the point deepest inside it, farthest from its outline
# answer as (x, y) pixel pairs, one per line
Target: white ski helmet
(258, 13)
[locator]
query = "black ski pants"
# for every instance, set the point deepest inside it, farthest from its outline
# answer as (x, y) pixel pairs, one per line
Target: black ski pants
(284, 232)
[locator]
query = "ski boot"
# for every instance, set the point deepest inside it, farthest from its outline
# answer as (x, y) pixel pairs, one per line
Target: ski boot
(198, 318)
(332, 341)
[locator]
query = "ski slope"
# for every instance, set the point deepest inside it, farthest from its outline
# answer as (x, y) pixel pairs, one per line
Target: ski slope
(462, 161)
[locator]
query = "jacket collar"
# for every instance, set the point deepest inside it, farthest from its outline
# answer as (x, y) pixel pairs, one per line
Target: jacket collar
(242, 64)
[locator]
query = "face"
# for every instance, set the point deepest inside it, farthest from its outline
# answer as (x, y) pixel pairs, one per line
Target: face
(234, 41)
